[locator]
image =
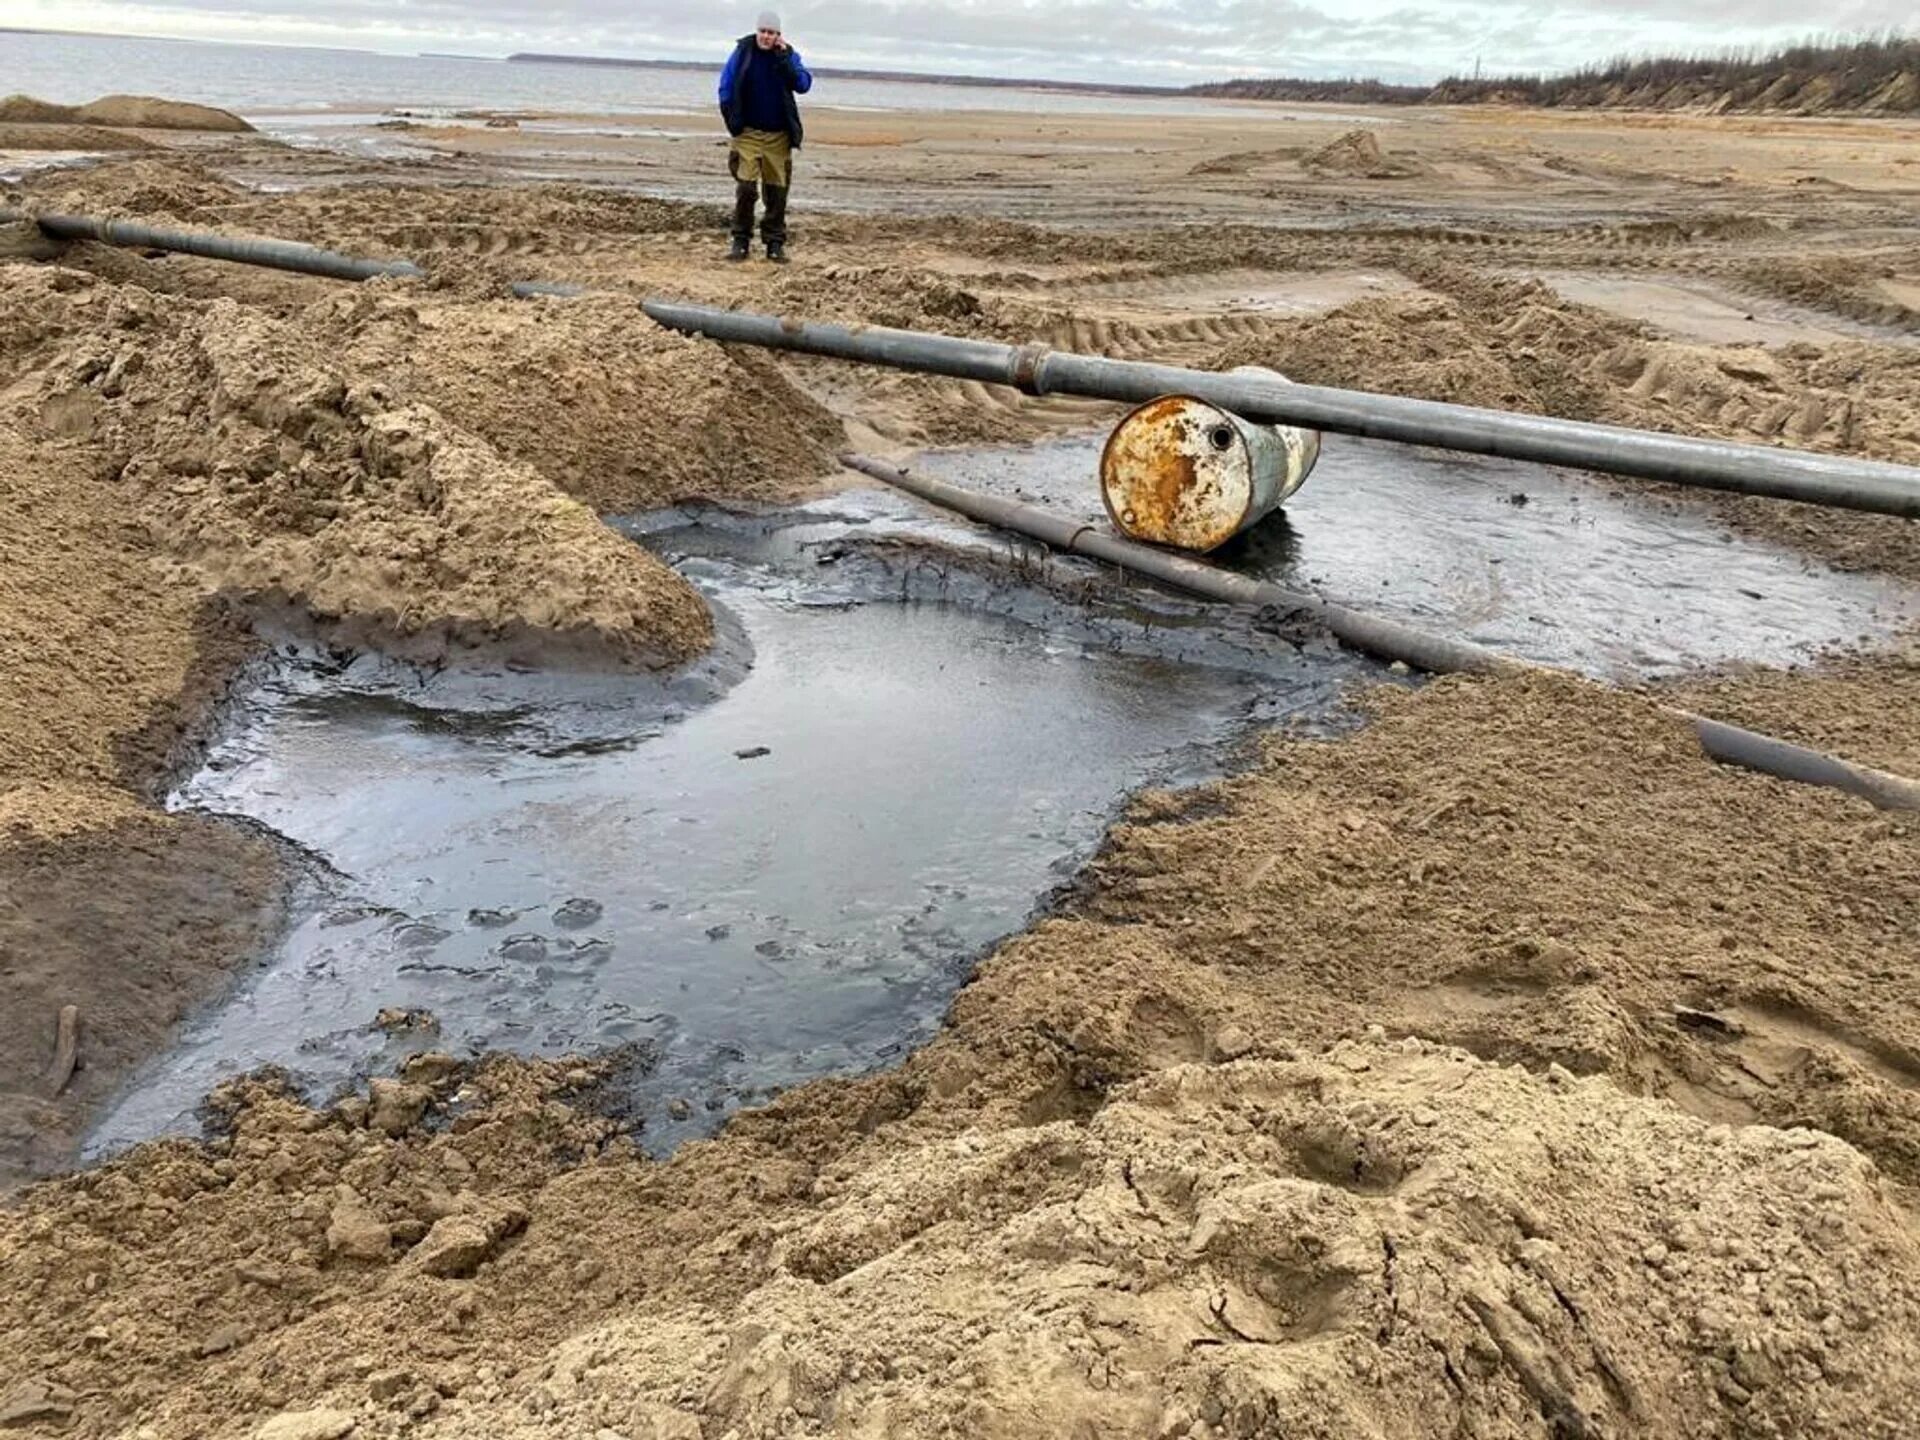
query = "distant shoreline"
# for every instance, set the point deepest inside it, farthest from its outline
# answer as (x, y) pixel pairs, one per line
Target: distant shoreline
(916, 77)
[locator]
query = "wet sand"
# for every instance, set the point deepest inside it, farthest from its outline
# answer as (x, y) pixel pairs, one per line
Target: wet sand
(1505, 1067)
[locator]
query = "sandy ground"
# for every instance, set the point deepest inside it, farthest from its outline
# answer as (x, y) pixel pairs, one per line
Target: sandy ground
(1504, 1069)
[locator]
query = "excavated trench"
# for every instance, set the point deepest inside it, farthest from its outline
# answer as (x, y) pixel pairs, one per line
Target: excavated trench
(781, 862)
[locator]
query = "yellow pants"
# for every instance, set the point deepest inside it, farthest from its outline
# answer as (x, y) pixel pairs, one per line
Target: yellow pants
(765, 156)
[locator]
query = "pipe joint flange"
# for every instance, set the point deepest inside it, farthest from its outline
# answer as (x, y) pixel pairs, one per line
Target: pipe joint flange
(1024, 373)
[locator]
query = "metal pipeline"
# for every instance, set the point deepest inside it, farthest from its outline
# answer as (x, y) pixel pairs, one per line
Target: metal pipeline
(1841, 481)
(1384, 639)
(274, 254)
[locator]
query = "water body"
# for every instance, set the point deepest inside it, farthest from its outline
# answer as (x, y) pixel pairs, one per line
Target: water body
(272, 85)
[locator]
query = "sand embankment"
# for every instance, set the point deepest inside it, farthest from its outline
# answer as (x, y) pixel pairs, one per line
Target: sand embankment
(122, 112)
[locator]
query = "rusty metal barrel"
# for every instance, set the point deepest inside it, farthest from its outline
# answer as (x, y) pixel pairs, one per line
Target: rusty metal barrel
(1178, 471)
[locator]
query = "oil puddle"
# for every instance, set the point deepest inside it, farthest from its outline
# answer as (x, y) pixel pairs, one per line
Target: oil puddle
(1528, 560)
(776, 865)
(780, 863)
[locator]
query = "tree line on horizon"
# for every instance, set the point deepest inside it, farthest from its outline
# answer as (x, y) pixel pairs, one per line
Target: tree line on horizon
(1873, 73)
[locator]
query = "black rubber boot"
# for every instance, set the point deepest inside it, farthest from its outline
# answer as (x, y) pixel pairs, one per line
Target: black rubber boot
(773, 225)
(745, 192)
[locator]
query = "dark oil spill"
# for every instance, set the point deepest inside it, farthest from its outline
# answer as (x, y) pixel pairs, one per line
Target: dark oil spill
(777, 866)
(781, 862)
(1532, 561)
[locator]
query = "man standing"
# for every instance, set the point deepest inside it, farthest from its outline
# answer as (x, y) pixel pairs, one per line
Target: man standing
(757, 88)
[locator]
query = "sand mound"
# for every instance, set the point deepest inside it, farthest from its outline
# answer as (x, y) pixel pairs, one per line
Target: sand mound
(882, 295)
(270, 473)
(1394, 1237)
(288, 1207)
(25, 110)
(611, 408)
(1358, 154)
(153, 113)
(91, 670)
(140, 112)
(1528, 356)
(142, 188)
(1517, 345)
(1845, 285)
(1501, 933)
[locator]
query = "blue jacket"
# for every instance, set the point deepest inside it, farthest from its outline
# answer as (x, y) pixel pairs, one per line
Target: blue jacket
(757, 89)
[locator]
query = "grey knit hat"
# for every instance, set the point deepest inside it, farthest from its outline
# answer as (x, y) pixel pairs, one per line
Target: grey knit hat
(769, 20)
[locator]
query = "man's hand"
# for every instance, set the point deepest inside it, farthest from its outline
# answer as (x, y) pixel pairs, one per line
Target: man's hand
(781, 47)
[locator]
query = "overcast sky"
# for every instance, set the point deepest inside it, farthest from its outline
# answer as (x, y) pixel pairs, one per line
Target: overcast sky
(1151, 41)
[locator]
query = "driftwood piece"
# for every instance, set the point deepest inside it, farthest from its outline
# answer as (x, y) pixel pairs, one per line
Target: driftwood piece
(66, 1049)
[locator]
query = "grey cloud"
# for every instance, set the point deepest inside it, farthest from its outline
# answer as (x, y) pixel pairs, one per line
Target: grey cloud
(1132, 40)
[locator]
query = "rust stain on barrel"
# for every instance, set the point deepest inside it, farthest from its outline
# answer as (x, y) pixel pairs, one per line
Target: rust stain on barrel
(1179, 471)
(1162, 475)
(1155, 465)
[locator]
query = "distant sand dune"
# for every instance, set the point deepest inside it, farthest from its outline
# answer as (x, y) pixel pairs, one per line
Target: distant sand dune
(141, 112)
